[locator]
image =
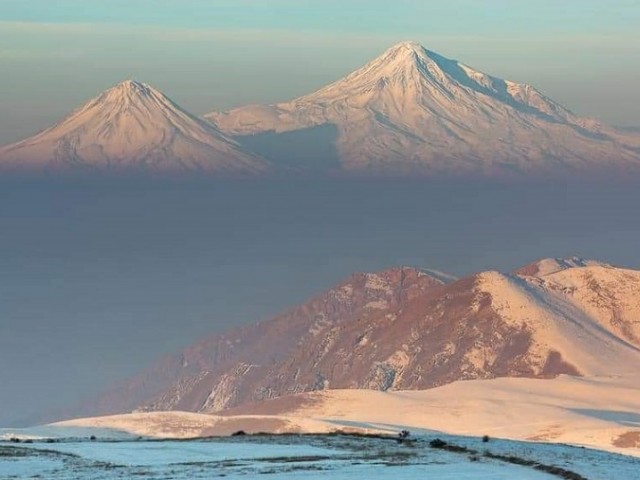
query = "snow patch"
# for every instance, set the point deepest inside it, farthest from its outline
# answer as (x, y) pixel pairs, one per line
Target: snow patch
(376, 282)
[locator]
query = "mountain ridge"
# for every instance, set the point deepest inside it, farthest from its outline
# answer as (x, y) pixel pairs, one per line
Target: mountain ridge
(401, 329)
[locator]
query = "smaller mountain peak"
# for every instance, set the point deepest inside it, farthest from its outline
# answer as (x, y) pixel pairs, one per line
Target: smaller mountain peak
(130, 92)
(132, 86)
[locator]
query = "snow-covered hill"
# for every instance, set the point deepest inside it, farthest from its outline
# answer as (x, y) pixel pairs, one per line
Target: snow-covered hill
(402, 329)
(412, 110)
(599, 412)
(610, 296)
(132, 125)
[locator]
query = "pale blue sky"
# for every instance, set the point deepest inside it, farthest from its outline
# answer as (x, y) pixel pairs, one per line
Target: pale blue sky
(215, 54)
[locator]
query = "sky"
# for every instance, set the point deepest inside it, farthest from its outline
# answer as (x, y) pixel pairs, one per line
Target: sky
(215, 54)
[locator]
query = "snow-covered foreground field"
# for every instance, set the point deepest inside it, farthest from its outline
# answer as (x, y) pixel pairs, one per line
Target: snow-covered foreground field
(293, 456)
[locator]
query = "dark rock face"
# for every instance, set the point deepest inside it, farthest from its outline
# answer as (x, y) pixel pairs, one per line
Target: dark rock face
(290, 353)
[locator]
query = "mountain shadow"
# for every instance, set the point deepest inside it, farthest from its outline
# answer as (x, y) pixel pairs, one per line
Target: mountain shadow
(310, 149)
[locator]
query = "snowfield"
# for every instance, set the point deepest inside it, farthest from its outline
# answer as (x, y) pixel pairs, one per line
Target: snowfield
(595, 412)
(336, 457)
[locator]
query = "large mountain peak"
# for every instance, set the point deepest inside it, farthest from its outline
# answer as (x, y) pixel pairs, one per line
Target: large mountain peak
(410, 76)
(411, 110)
(406, 46)
(401, 70)
(410, 52)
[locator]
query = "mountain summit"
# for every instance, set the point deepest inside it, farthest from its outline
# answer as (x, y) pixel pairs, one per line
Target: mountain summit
(412, 110)
(132, 125)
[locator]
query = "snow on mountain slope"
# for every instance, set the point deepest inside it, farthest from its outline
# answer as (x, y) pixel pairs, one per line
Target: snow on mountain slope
(605, 293)
(132, 125)
(547, 266)
(560, 330)
(412, 110)
(609, 295)
(188, 424)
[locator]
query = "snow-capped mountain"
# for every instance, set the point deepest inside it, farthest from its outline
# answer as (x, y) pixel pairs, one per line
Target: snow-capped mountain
(402, 329)
(412, 110)
(132, 125)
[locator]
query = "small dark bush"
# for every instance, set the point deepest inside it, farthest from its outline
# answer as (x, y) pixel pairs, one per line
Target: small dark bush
(14, 440)
(442, 445)
(485, 438)
(553, 470)
(437, 443)
(92, 438)
(239, 433)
